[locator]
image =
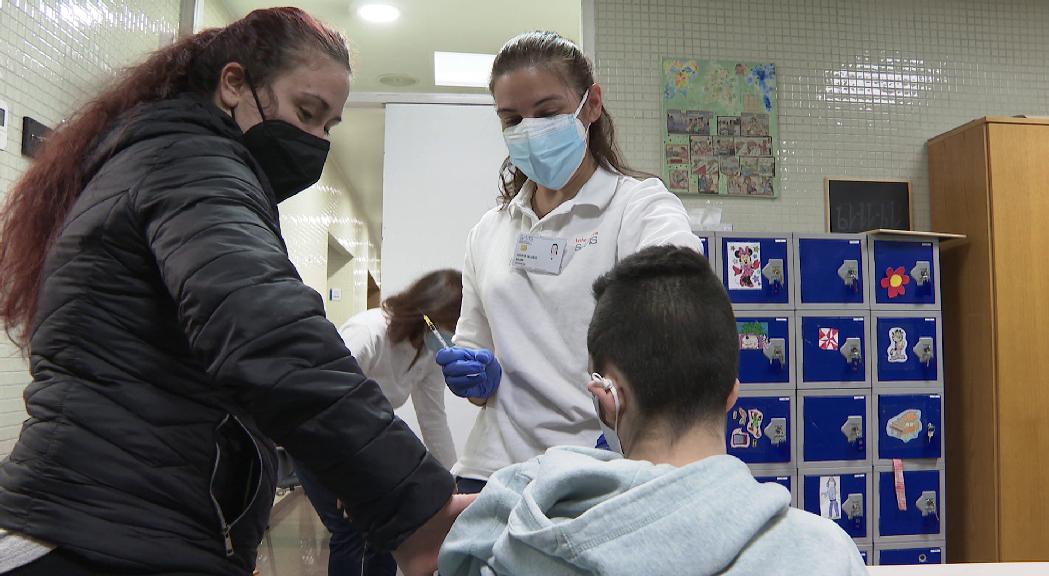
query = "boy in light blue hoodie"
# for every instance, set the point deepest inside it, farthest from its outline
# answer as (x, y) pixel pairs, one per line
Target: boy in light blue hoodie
(665, 499)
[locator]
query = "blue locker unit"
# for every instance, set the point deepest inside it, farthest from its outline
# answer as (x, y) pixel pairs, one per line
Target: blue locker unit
(834, 427)
(903, 272)
(832, 350)
(908, 348)
(766, 351)
(910, 425)
(705, 244)
(760, 428)
(841, 495)
(757, 270)
(830, 271)
(922, 517)
(909, 554)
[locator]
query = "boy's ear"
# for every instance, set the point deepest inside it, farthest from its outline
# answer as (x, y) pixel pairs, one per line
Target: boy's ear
(732, 396)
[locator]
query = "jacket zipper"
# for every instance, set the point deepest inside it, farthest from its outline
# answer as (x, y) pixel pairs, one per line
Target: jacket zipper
(227, 527)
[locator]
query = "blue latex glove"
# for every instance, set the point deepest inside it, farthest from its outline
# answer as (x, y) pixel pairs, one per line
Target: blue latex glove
(470, 373)
(602, 444)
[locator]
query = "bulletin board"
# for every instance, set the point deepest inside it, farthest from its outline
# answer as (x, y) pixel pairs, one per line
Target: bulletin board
(721, 128)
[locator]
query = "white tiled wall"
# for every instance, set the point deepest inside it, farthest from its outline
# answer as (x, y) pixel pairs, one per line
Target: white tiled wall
(53, 55)
(862, 83)
(212, 14)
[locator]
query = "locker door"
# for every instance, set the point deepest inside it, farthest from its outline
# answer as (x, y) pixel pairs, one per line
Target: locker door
(910, 426)
(834, 428)
(757, 270)
(758, 430)
(840, 497)
(910, 556)
(833, 351)
(903, 273)
(765, 350)
(908, 349)
(831, 271)
(922, 503)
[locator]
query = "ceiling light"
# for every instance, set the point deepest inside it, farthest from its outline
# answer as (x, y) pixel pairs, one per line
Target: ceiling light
(378, 13)
(397, 80)
(462, 69)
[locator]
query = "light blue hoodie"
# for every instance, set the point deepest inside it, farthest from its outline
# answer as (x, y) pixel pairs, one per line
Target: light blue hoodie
(585, 511)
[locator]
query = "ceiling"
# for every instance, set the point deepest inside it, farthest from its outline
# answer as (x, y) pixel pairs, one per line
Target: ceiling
(406, 47)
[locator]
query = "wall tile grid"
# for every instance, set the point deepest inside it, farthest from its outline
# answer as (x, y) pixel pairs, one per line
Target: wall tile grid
(862, 85)
(53, 54)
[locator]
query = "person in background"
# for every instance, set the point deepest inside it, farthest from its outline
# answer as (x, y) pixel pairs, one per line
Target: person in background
(170, 339)
(666, 499)
(394, 347)
(521, 340)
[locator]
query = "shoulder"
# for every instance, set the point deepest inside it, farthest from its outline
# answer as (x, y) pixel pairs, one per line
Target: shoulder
(369, 325)
(635, 192)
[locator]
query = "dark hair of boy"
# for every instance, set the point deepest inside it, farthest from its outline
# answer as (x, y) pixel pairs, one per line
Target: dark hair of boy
(664, 320)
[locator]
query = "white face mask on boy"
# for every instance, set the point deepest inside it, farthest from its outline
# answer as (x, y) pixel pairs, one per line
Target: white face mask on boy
(611, 434)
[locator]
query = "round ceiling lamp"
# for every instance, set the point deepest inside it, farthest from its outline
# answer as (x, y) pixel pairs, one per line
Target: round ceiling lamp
(378, 13)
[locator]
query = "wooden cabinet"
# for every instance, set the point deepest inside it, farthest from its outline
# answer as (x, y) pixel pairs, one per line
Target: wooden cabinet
(990, 181)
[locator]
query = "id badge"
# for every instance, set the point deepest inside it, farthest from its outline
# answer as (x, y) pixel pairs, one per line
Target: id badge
(539, 254)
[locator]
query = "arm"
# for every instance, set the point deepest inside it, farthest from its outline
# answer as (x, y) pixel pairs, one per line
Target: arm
(654, 217)
(262, 337)
(428, 399)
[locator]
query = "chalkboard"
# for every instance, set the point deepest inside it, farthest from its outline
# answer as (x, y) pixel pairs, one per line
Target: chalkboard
(862, 205)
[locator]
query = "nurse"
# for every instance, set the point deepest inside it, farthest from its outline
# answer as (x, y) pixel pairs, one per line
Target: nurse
(520, 345)
(394, 347)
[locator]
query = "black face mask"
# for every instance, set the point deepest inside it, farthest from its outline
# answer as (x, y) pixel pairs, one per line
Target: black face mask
(291, 158)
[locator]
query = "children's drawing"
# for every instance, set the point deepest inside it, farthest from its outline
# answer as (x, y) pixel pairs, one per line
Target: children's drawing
(756, 423)
(897, 345)
(830, 497)
(745, 266)
(828, 339)
(905, 426)
(753, 335)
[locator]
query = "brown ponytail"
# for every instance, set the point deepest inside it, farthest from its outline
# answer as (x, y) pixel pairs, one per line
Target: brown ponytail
(556, 53)
(265, 42)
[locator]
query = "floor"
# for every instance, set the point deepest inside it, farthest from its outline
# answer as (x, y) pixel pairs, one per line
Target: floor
(296, 543)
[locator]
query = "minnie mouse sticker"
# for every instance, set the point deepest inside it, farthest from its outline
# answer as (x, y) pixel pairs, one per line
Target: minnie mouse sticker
(744, 265)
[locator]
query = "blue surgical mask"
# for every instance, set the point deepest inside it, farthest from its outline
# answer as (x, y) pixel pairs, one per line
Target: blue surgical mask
(611, 434)
(432, 343)
(548, 150)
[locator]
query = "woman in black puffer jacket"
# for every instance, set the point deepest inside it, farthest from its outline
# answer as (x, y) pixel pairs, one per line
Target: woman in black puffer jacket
(170, 339)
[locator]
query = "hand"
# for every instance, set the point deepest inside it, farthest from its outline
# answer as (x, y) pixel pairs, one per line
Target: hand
(417, 556)
(470, 373)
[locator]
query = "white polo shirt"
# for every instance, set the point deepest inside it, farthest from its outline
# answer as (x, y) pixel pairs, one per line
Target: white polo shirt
(402, 371)
(537, 323)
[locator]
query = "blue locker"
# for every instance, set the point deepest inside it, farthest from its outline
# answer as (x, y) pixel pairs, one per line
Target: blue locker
(842, 497)
(831, 271)
(910, 556)
(757, 270)
(834, 427)
(907, 348)
(923, 503)
(865, 554)
(833, 351)
(782, 478)
(910, 425)
(904, 273)
(759, 430)
(704, 245)
(766, 353)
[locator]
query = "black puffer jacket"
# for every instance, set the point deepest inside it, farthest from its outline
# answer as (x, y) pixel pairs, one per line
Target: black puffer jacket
(174, 339)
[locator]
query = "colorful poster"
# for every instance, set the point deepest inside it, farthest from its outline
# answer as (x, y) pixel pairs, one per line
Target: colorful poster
(745, 264)
(724, 112)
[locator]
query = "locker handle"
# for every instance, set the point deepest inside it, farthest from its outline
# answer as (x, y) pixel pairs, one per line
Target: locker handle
(849, 272)
(776, 351)
(921, 272)
(924, 350)
(926, 503)
(853, 429)
(854, 506)
(776, 431)
(773, 271)
(853, 352)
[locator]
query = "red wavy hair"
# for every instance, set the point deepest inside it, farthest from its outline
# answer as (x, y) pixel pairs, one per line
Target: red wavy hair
(265, 42)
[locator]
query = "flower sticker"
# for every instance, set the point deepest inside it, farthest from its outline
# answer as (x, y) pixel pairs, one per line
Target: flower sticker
(896, 281)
